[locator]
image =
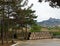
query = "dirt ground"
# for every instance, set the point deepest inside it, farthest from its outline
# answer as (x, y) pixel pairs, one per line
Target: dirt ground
(9, 43)
(6, 44)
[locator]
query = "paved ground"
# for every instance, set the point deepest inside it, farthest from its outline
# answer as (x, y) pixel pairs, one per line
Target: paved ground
(46, 42)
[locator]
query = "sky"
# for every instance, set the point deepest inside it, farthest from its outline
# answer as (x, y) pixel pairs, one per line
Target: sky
(44, 11)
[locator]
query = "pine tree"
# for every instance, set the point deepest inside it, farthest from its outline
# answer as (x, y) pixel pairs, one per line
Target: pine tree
(11, 15)
(53, 3)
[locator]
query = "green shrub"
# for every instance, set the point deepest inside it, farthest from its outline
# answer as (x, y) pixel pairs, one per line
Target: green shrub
(56, 33)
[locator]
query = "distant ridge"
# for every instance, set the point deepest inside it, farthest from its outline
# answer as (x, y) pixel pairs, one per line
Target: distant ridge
(51, 22)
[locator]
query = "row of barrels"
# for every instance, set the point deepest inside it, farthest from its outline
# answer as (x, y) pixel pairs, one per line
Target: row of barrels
(40, 35)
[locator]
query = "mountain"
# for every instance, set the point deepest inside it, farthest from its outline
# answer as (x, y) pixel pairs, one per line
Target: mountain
(51, 22)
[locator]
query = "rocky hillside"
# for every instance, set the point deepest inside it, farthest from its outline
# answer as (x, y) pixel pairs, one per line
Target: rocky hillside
(51, 22)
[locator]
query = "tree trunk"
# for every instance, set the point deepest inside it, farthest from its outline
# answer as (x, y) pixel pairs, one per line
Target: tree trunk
(26, 32)
(12, 35)
(2, 34)
(6, 35)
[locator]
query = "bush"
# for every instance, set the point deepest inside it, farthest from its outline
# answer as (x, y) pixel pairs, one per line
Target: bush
(56, 33)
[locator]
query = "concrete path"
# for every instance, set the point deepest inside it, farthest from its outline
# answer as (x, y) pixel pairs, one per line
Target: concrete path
(45, 42)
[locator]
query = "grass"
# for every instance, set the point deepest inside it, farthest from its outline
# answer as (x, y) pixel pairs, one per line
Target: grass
(35, 31)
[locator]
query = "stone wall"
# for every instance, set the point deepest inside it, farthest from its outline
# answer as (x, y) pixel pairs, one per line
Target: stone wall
(41, 35)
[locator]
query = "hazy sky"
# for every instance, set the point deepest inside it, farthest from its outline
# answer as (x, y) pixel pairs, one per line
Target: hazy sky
(44, 11)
